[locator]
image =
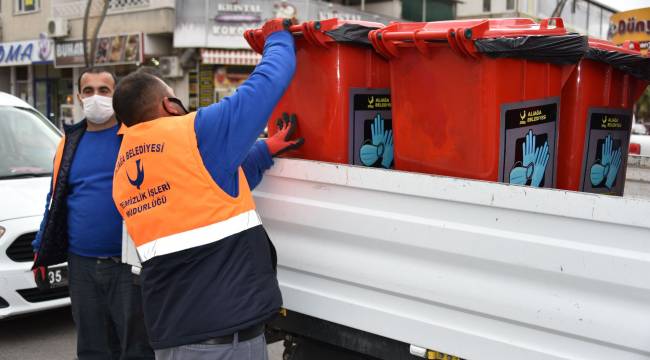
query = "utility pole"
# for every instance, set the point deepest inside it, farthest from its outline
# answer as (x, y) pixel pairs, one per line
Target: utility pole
(424, 10)
(89, 56)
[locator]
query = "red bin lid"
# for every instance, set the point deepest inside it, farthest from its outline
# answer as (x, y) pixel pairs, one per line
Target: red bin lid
(314, 31)
(626, 58)
(461, 35)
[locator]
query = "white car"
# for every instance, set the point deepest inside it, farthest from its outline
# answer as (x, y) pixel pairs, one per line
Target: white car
(27, 145)
(639, 129)
(640, 145)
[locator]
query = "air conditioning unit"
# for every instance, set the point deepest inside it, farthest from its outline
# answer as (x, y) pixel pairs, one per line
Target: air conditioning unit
(170, 67)
(57, 27)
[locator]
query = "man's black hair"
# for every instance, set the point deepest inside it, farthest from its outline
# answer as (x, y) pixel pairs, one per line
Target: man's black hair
(95, 70)
(137, 96)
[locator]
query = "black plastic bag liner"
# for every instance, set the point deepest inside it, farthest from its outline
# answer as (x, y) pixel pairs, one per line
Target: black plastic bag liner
(562, 49)
(635, 65)
(351, 34)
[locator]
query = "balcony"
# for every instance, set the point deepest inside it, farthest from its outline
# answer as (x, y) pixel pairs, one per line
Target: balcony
(74, 9)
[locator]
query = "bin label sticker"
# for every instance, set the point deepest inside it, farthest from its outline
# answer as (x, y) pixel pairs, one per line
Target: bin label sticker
(528, 143)
(606, 149)
(371, 128)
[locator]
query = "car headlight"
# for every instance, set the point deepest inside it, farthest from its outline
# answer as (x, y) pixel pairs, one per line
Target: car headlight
(2, 231)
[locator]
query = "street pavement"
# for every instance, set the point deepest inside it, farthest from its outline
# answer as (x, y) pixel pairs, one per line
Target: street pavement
(50, 335)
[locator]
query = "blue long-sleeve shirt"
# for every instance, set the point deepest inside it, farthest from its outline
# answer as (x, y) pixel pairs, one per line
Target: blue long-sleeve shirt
(226, 130)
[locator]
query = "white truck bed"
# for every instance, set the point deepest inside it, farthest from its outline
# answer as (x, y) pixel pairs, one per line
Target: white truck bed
(474, 269)
(637, 182)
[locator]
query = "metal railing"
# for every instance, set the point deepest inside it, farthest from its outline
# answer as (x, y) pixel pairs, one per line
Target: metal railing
(72, 9)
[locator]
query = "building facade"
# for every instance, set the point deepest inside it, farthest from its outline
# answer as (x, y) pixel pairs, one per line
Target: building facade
(133, 32)
(583, 16)
(211, 31)
(411, 10)
(633, 25)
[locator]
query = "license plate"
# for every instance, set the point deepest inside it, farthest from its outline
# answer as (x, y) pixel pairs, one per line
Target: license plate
(55, 277)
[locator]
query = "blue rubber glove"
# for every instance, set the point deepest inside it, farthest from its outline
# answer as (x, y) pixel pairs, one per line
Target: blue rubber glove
(541, 160)
(528, 148)
(377, 130)
(387, 156)
(613, 168)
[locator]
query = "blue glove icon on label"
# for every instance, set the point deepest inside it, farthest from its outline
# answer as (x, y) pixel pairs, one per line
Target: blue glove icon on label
(605, 170)
(534, 160)
(380, 146)
(377, 129)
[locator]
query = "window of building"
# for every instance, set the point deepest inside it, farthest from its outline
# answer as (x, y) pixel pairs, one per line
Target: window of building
(510, 4)
(27, 6)
(487, 5)
(604, 22)
(595, 21)
(579, 12)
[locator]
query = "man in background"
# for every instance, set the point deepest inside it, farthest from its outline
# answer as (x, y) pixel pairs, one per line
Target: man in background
(82, 226)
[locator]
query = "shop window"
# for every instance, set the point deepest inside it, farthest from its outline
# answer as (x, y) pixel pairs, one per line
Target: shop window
(510, 4)
(27, 6)
(604, 22)
(487, 5)
(22, 73)
(594, 24)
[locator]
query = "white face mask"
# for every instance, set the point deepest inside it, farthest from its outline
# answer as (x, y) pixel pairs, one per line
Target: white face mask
(98, 109)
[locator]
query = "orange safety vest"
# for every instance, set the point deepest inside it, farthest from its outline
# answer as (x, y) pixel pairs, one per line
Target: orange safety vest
(57, 162)
(167, 197)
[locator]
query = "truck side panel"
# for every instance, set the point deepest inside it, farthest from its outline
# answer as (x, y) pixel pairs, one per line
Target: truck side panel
(475, 269)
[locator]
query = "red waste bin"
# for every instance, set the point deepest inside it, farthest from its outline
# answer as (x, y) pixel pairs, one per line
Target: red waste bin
(596, 122)
(340, 85)
(478, 98)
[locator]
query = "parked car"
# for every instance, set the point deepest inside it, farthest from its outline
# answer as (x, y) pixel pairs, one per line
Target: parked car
(27, 145)
(639, 129)
(640, 145)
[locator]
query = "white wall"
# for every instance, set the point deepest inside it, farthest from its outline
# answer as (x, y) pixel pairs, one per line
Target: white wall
(181, 88)
(387, 8)
(475, 7)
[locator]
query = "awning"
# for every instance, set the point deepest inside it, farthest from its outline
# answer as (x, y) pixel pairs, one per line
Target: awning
(230, 57)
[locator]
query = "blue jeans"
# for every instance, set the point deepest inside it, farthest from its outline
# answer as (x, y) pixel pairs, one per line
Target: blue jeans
(253, 349)
(107, 310)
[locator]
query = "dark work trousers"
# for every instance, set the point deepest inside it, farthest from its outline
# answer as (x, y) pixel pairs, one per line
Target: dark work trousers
(107, 310)
(253, 349)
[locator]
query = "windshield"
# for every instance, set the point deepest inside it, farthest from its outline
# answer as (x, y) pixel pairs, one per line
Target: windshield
(27, 143)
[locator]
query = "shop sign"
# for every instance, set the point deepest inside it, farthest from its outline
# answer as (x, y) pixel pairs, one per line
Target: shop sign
(221, 23)
(111, 50)
(631, 25)
(26, 52)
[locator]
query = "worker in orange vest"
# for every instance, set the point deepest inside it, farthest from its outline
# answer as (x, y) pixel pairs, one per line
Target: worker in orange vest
(208, 280)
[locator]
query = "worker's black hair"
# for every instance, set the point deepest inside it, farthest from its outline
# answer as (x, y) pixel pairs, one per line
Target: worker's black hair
(95, 70)
(137, 97)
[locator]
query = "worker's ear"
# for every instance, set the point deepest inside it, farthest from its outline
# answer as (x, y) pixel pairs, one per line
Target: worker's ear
(170, 107)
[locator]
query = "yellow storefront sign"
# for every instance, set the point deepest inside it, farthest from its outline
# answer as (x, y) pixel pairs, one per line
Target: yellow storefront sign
(631, 25)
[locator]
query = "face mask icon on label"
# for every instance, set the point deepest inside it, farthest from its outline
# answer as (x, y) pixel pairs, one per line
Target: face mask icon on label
(534, 161)
(369, 154)
(380, 147)
(606, 168)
